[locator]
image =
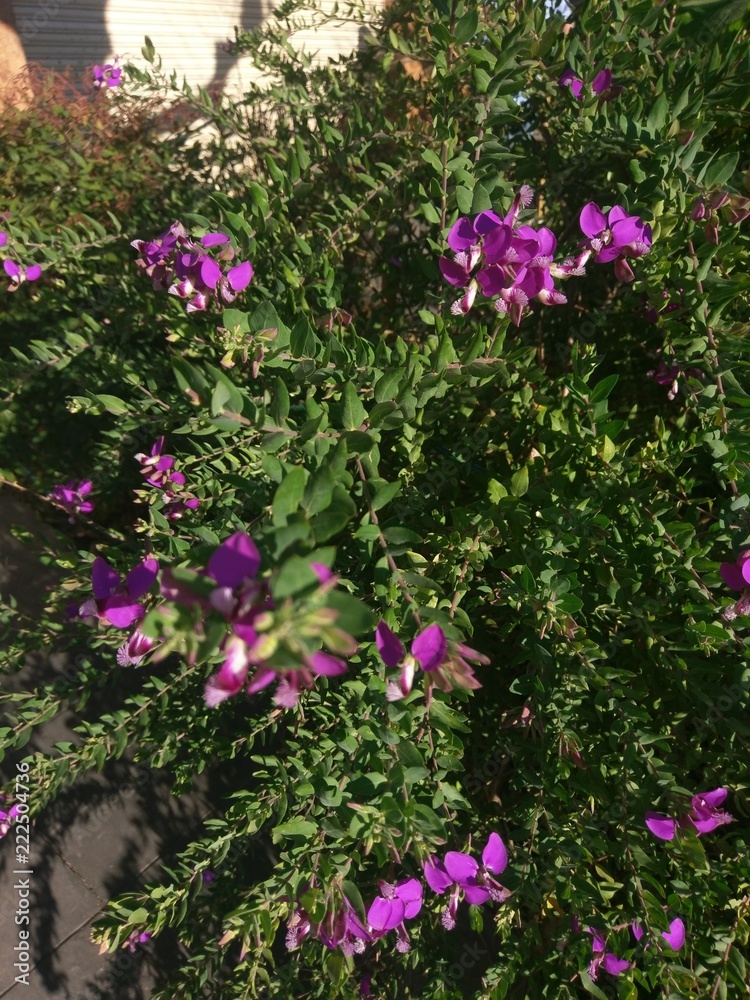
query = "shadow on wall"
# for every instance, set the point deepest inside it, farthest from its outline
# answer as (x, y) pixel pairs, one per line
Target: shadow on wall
(187, 34)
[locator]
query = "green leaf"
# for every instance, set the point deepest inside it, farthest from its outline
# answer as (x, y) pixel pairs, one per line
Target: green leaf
(591, 987)
(658, 116)
(721, 170)
(519, 484)
(294, 828)
(319, 491)
(288, 496)
(353, 412)
(354, 617)
(602, 389)
(112, 404)
(467, 26)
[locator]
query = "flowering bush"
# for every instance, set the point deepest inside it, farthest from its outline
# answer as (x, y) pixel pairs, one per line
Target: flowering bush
(437, 573)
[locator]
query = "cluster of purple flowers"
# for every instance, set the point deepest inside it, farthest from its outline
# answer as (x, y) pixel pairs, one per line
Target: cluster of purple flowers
(109, 75)
(117, 603)
(244, 601)
(608, 960)
(442, 659)
(457, 872)
(182, 266)
(72, 497)
(342, 928)
(461, 874)
(160, 473)
(15, 271)
(513, 263)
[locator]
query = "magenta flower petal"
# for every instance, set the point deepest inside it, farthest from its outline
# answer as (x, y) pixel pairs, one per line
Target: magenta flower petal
(121, 612)
(239, 277)
(709, 799)
(141, 578)
(492, 279)
(11, 268)
(461, 867)
(477, 895)
(385, 914)
(497, 242)
(230, 677)
(614, 965)
(261, 679)
(436, 876)
(623, 270)
(637, 930)
(326, 665)
(495, 855)
(462, 235)
(576, 88)
(486, 222)
(592, 220)
(214, 239)
(732, 576)
(411, 893)
(104, 580)
(453, 273)
(430, 647)
(3, 239)
(675, 936)
(389, 645)
(210, 272)
(662, 827)
(323, 573)
(33, 272)
(235, 561)
(627, 231)
(602, 81)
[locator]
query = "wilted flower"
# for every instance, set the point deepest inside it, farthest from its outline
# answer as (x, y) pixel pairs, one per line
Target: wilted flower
(460, 873)
(704, 816)
(442, 659)
(72, 497)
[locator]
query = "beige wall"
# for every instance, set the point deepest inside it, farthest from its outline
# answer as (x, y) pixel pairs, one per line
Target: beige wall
(187, 34)
(14, 85)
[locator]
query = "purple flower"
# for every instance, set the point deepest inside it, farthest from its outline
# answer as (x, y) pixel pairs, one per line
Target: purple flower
(178, 264)
(675, 936)
(343, 929)
(604, 959)
(114, 601)
(135, 649)
(6, 818)
(443, 659)
(109, 75)
(461, 873)
(241, 599)
(18, 274)
(397, 903)
(704, 816)
(72, 497)
(569, 79)
(159, 472)
(671, 374)
(737, 574)
(505, 261)
(137, 938)
(614, 237)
